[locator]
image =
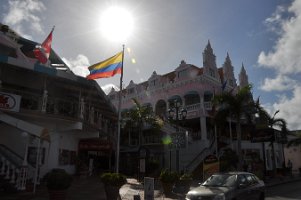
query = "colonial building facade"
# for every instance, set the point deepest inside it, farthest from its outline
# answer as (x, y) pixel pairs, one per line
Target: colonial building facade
(191, 88)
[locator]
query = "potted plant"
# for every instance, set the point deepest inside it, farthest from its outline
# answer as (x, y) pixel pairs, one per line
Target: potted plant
(112, 183)
(184, 183)
(58, 181)
(168, 179)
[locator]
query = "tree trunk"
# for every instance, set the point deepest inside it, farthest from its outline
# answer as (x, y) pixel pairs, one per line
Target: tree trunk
(239, 152)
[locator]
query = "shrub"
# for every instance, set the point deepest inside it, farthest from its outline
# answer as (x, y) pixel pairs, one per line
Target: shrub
(167, 176)
(58, 179)
(113, 179)
(186, 176)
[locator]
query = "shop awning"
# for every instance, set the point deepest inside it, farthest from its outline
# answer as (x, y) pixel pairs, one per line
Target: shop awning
(28, 127)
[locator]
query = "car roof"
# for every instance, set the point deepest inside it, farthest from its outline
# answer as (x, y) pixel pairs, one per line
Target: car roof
(234, 173)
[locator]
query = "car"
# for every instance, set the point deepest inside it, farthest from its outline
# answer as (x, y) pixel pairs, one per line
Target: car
(229, 186)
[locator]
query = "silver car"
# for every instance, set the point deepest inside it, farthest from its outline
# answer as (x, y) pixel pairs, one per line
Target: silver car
(229, 186)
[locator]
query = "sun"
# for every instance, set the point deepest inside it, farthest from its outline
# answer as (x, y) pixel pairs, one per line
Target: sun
(116, 24)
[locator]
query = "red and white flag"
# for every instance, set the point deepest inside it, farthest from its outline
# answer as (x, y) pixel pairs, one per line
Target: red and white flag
(42, 52)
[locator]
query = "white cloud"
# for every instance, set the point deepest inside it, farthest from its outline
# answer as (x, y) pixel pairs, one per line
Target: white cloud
(274, 22)
(286, 60)
(107, 88)
(79, 65)
(285, 56)
(20, 11)
(280, 83)
(289, 109)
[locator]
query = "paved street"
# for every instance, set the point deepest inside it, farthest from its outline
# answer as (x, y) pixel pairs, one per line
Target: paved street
(287, 191)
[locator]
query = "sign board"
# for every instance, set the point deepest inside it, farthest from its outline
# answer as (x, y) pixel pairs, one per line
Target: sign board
(148, 188)
(95, 144)
(210, 166)
(10, 102)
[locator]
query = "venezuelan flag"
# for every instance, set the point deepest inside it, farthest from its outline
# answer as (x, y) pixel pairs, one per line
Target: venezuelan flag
(106, 68)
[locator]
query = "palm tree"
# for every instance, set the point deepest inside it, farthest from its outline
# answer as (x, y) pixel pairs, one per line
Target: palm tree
(140, 116)
(269, 121)
(240, 107)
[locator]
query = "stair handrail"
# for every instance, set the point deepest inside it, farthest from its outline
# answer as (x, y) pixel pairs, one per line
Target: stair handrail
(199, 155)
(4, 148)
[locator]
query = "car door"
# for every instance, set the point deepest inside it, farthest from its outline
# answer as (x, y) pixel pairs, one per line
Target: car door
(253, 190)
(242, 191)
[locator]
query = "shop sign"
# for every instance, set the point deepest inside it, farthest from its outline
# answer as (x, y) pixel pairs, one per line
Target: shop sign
(95, 145)
(10, 102)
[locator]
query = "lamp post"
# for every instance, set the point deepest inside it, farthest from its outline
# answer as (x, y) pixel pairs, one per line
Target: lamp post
(180, 114)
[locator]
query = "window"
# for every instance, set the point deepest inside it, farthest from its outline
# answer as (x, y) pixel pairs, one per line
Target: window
(211, 72)
(153, 82)
(131, 91)
(182, 73)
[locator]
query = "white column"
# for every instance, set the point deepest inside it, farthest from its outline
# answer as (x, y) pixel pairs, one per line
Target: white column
(44, 102)
(2, 172)
(203, 121)
(13, 176)
(82, 108)
(37, 165)
(7, 170)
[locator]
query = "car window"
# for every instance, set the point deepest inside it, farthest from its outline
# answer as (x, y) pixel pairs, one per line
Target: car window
(241, 179)
(219, 180)
(250, 179)
(255, 178)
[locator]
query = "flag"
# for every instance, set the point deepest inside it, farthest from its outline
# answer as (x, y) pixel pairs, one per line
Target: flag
(224, 85)
(42, 51)
(107, 68)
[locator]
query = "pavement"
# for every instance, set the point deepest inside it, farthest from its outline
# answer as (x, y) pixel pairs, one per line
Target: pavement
(91, 188)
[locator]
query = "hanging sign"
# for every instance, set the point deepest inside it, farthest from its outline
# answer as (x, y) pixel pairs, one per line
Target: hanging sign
(10, 102)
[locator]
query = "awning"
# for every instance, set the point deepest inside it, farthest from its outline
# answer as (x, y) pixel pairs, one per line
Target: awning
(28, 127)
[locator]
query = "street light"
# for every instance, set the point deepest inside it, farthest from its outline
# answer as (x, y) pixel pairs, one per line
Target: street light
(180, 114)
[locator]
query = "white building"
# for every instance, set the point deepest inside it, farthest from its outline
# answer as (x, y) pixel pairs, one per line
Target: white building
(47, 106)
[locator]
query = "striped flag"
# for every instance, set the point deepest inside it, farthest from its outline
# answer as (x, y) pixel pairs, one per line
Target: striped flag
(107, 68)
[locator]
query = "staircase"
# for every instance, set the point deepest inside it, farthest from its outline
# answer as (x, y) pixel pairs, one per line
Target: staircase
(195, 150)
(14, 173)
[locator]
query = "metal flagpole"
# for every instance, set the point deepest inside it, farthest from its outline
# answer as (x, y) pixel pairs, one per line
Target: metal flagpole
(119, 114)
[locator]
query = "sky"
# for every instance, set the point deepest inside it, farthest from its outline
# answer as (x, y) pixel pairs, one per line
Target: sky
(263, 35)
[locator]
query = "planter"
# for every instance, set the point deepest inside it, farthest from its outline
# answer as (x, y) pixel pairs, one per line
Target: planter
(112, 192)
(182, 186)
(167, 188)
(29, 187)
(57, 194)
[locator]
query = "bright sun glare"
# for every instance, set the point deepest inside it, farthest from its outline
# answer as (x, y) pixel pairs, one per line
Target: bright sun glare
(116, 24)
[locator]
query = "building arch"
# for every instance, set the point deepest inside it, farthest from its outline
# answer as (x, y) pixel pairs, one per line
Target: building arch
(208, 96)
(172, 99)
(192, 97)
(161, 108)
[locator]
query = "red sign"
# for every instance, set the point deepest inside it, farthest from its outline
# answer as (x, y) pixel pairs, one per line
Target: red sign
(95, 144)
(9, 102)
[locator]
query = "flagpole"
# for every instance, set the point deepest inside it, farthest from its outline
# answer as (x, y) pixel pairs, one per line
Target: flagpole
(119, 114)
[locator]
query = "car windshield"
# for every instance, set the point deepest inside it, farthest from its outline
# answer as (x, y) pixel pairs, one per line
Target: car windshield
(220, 180)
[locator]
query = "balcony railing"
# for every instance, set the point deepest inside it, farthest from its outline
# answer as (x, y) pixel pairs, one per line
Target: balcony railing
(60, 107)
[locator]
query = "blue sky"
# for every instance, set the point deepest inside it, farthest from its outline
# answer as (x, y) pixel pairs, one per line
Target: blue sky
(263, 35)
